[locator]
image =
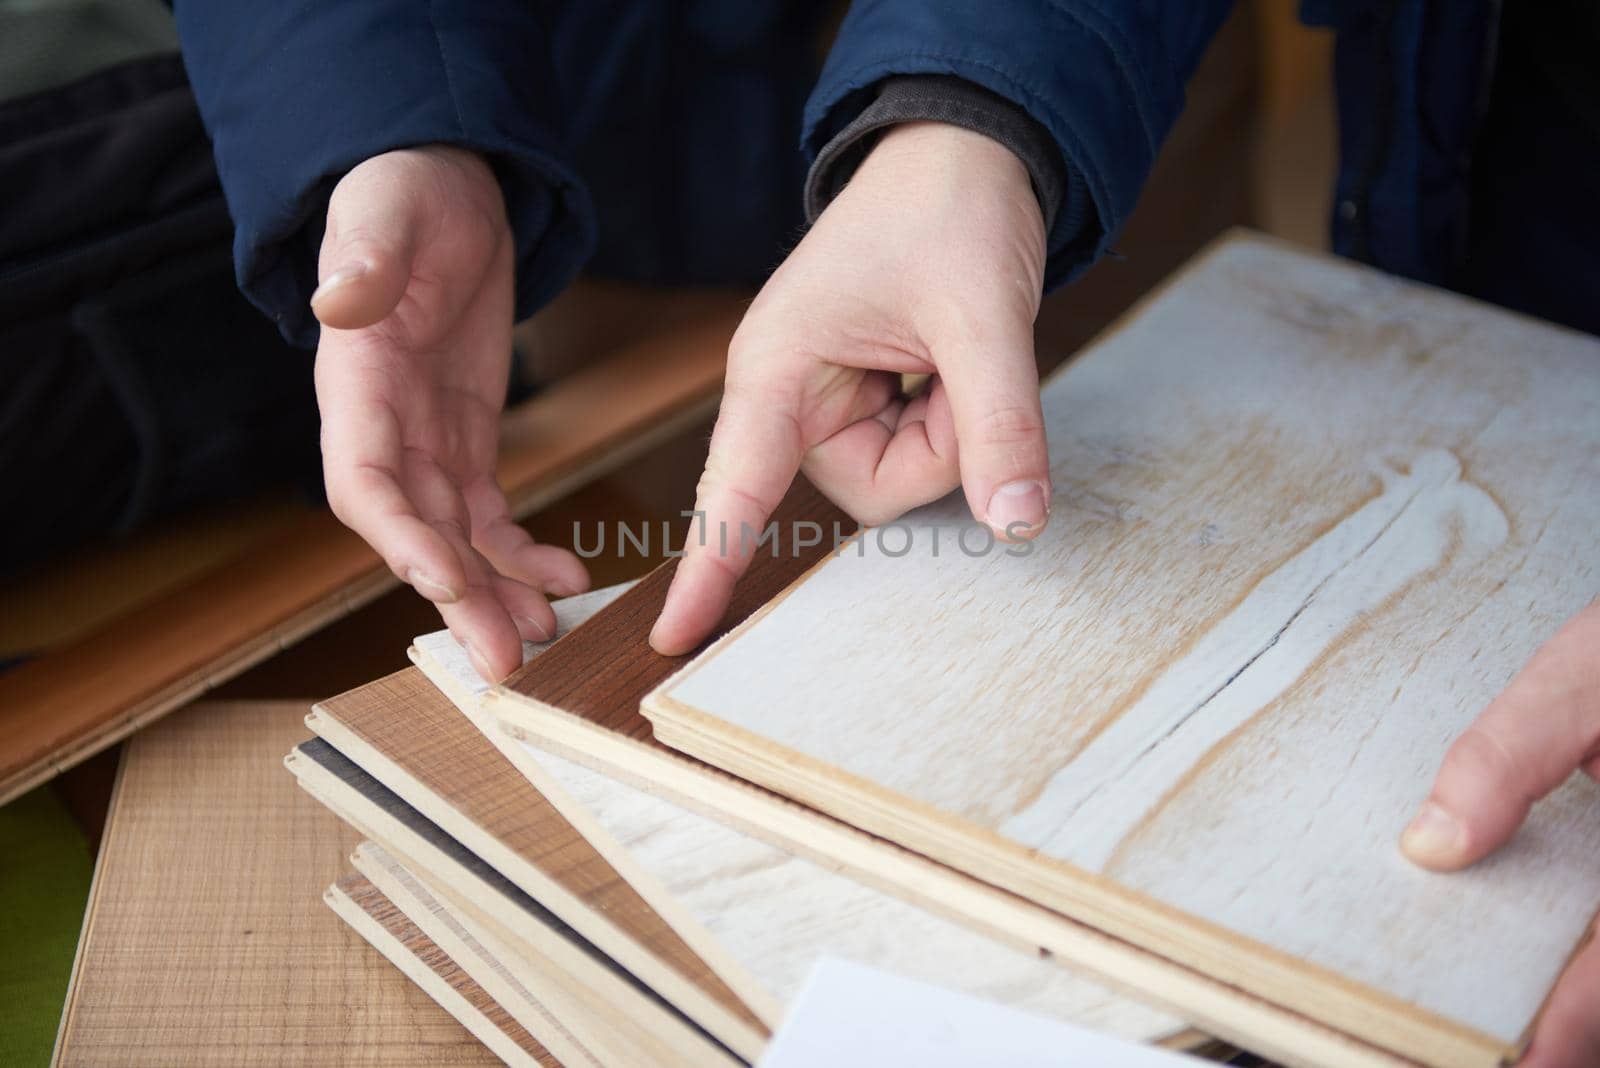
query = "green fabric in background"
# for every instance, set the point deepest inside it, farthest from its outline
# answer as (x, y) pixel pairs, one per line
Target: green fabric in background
(46, 43)
(45, 870)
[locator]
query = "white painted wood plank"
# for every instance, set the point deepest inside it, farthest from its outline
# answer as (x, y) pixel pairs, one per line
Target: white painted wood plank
(772, 912)
(776, 913)
(451, 657)
(1256, 1023)
(1308, 520)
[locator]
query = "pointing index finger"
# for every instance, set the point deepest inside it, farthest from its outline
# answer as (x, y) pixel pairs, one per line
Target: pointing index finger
(755, 453)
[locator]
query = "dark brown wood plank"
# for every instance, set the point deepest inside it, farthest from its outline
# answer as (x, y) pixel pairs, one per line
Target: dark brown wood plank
(604, 667)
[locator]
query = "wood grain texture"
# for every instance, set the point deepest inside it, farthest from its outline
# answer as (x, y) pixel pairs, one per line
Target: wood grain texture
(758, 913)
(552, 1023)
(375, 918)
(1308, 520)
(609, 735)
(204, 942)
(70, 703)
(773, 913)
(575, 977)
(408, 735)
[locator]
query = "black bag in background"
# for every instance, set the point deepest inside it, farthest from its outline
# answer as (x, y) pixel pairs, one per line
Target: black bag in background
(135, 379)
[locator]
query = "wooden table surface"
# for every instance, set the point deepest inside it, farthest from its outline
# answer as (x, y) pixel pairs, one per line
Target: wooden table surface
(206, 941)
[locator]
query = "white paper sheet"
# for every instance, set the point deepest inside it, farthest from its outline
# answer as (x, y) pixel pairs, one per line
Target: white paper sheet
(852, 1016)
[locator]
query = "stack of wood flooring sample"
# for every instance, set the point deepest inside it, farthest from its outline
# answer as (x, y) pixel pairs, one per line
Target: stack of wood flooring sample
(1146, 775)
(565, 916)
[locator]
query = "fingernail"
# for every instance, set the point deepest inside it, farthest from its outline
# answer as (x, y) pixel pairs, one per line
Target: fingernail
(1434, 837)
(657, 647)
(342, 277)
(431, 588)
(658, 641)
(1018, 507)
(529, 625)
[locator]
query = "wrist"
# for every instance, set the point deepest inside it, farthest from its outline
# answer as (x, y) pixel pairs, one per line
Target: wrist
(941, 170)
(941, 147)
(460, 166)
(456, 157)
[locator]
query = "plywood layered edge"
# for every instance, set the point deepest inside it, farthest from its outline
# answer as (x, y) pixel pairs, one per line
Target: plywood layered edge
(623, 927)
(1094, 900)
(547, 1012)
(644, 1027)
(368, 912)
(760, 1000)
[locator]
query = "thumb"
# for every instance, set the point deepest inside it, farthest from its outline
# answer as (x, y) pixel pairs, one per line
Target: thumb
(1544, 726)
(367, 249)
(993, 388)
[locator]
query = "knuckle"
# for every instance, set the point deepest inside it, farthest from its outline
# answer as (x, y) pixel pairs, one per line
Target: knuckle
(356, 242)
(751, 381)
(747, 354)
(855, 496)
(766, 352)
(740, 348)
(719, 491)
(872, 513)
(1482, 756)
(1015, 425)
(339, 503)
(713, 477)
(456, 528)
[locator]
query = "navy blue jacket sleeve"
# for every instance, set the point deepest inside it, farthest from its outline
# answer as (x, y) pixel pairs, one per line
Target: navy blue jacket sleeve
(1105, 77)
(294, 94)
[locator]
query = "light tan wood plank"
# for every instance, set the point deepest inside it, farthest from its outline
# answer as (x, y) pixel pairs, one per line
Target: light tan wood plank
(1308, 520)
(205, 941)
(369, 913)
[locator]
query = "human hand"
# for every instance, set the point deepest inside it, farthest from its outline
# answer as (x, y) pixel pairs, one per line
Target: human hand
(931, 260)
(1545, 726)
(416, 306)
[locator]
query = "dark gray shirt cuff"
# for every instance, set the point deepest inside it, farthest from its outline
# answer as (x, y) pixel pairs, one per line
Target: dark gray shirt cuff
(940, 98)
